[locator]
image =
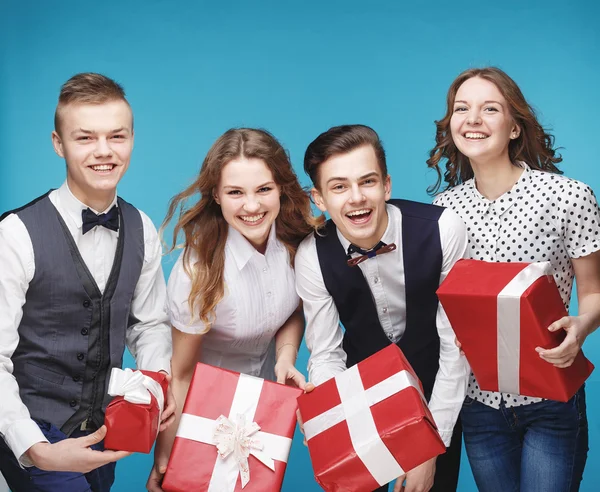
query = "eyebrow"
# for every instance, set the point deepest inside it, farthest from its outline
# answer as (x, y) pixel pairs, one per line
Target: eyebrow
(364, 176)
(91, 132)
(484, 102)
(240, 187)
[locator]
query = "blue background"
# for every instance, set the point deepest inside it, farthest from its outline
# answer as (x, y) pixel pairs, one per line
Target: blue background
(194, 69)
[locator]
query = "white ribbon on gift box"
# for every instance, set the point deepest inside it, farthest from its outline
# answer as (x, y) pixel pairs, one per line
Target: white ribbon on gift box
(509, 324)
(265, 447)
(355, 409)
(135, 387)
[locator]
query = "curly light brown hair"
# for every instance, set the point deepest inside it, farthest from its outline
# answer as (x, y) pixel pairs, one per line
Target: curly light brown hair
(534, 145)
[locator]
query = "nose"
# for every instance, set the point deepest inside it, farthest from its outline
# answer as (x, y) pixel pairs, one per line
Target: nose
(356, 194)
(251, 205)
(473, 118)
(102, 149)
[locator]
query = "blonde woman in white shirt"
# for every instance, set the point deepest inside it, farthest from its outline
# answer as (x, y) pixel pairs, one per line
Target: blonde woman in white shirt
(231, 294)
(502, 180)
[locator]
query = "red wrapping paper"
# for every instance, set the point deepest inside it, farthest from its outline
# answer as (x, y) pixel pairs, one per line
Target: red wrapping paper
(470, 297)
(133, 427)
(211, 393)
(403, 422)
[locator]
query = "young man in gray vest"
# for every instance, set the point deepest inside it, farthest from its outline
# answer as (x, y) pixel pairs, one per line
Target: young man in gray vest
(375, 268)
(80, 279)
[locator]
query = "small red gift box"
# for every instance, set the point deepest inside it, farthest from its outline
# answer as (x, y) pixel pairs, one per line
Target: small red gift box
(235, 432)
(500, 313)
(369, 424)
(133, 418)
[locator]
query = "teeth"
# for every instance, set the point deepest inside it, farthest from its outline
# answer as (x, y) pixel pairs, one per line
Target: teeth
(252, 218)
(102, 167)
(476, 135)
(358, 212)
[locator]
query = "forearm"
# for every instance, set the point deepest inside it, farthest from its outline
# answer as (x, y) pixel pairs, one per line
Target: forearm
(151, 346)
(589, 311)
(164, 442)
(289, 338)
(451, 381)
(449, 391)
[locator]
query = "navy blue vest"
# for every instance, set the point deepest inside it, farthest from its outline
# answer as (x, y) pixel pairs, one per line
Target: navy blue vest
(422, 256)
(71, 334)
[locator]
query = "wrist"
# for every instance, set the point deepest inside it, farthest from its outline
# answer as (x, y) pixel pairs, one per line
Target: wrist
(586, 326)
(36, 453)
(286, 353)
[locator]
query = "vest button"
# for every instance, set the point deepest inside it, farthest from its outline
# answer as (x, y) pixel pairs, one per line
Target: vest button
(76, 378)
(80, 356)
(84, 331)
(86, 303)
(73, 403)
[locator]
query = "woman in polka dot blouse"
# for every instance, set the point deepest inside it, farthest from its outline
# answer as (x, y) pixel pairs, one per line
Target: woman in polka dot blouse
(503, 181)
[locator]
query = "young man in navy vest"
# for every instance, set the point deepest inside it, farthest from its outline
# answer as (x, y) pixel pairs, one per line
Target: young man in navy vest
(80, 279)
(389, 296)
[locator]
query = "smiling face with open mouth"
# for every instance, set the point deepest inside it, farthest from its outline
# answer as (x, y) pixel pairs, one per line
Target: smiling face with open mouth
(96, 141)
(249, 199)
(353, 191)
(481, 124)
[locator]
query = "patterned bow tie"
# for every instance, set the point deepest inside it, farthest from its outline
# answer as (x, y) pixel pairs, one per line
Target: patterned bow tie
(110, 219)
(379, 249)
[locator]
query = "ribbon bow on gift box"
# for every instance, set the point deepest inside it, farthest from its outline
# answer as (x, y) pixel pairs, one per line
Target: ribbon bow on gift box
(236, 437)
(135, 387)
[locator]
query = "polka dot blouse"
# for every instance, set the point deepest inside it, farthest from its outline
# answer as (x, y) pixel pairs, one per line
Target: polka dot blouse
(544, 217)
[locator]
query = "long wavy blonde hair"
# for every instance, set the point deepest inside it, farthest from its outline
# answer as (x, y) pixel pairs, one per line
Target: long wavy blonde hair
(203, 223)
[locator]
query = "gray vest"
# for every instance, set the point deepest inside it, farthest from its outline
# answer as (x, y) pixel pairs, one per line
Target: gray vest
(71, 335)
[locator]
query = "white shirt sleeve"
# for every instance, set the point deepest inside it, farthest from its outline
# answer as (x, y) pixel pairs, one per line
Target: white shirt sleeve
(323, 333)
(16, 272)
(450, 387)
(149, 339)
(178, 307)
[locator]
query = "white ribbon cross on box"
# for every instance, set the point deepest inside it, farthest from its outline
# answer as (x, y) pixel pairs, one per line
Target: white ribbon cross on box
(509, 324)
(355, 409)
(236, 437)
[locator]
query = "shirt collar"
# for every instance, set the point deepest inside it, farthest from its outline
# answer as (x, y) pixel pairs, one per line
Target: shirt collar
(242, 250)
(388, 235)
(508, 199)
(73, 207)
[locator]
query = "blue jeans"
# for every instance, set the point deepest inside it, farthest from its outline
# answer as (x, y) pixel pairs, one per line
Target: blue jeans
(531, 448)
(33, 479)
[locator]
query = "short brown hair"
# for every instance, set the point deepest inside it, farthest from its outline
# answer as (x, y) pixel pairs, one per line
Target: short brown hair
(341, 140)
(87, 88)
(534, 145)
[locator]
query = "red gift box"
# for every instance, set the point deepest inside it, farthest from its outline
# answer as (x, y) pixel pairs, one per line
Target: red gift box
(132, 419)
(235, 432)
(369, 425)
(500, 313)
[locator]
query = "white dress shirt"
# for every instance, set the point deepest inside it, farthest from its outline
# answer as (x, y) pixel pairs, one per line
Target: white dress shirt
(543, 217)
(149, 340)
(385, 276)
(259, 298)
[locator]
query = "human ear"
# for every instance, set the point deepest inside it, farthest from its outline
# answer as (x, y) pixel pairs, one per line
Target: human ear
(387, 186)
(57, 144)
(318, 199)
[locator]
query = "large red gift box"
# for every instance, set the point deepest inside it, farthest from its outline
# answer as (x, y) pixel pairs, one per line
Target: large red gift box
(235, 432)
(132, 419)
(369, 424)
(500, 313)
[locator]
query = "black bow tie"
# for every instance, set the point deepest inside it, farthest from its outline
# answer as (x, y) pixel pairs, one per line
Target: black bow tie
(110, 219)
(379, 249)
